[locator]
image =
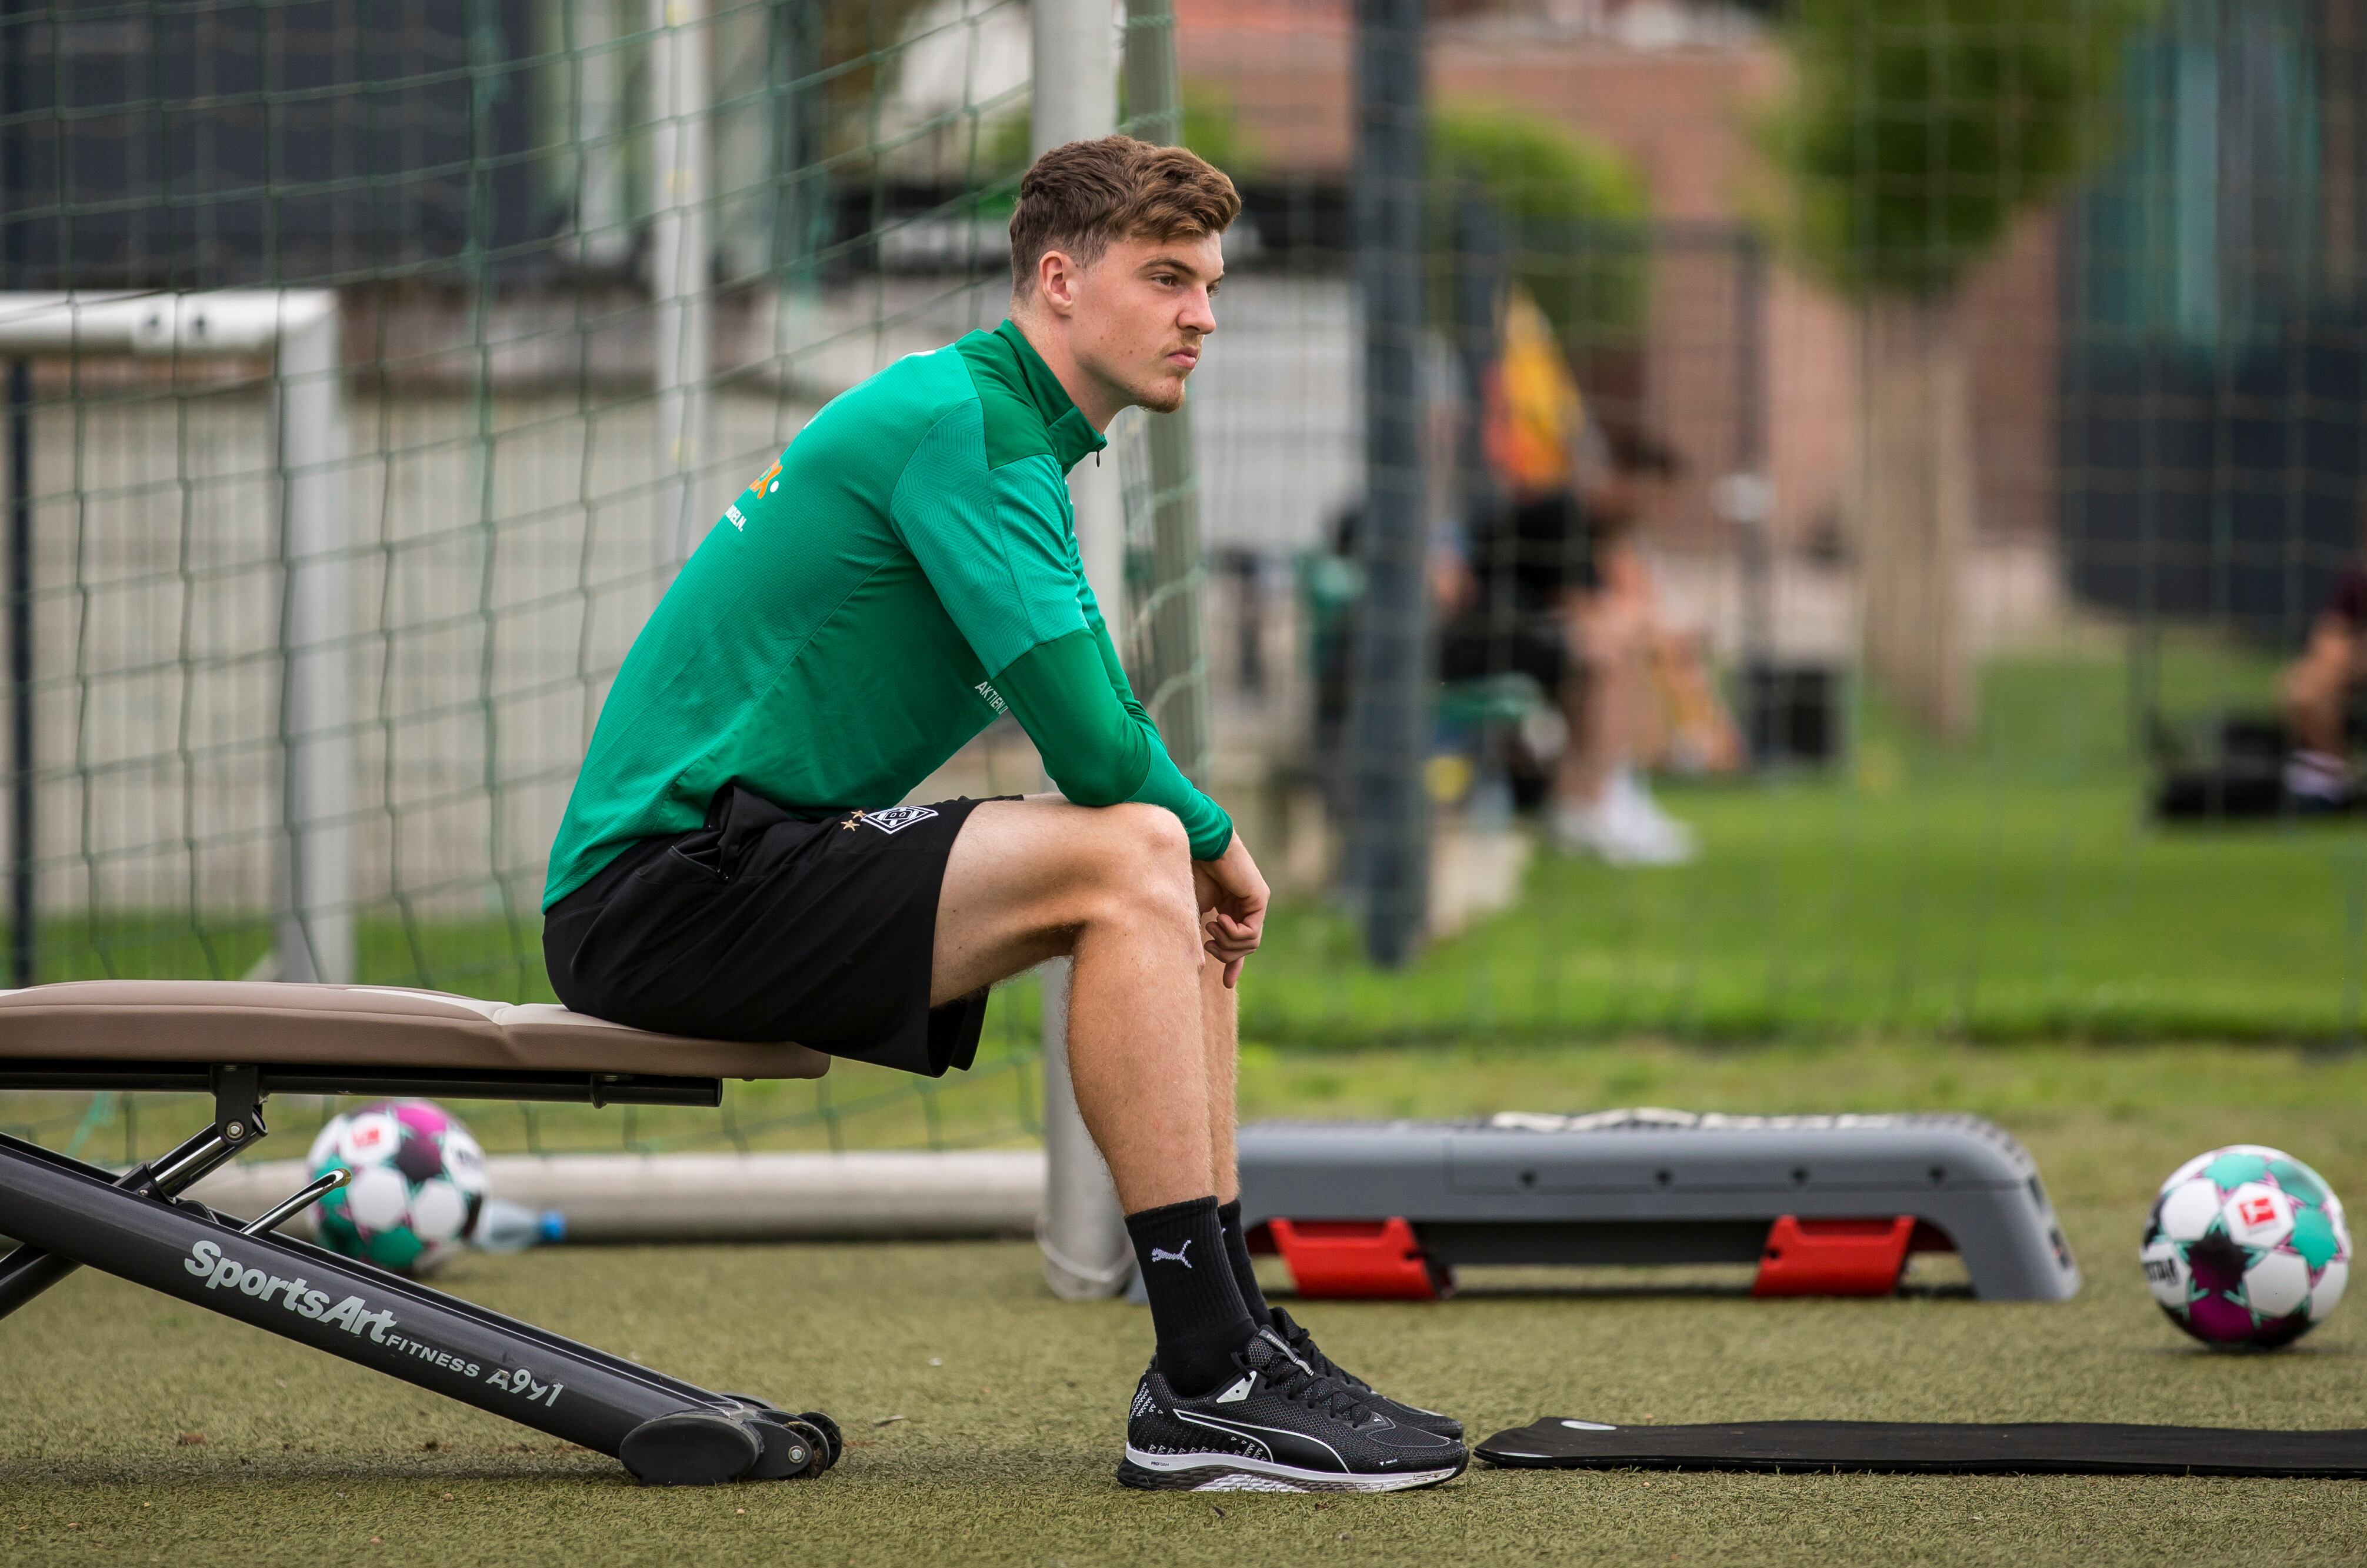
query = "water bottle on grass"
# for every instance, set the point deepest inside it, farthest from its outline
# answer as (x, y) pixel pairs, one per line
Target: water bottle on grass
(504, 1227)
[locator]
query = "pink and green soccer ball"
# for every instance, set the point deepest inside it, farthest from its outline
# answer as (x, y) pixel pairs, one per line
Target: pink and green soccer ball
(418, 1183)
(2246, 1248)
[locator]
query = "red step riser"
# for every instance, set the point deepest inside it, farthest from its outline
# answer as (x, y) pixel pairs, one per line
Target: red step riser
(1383, 1260)
(1833, 1258)
(1355, 1259)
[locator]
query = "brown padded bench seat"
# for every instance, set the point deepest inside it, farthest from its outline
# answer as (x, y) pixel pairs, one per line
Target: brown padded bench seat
(267, 1023)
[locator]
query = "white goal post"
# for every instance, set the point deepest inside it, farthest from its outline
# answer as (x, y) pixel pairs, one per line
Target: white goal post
(1086, 1253)
(313, 920)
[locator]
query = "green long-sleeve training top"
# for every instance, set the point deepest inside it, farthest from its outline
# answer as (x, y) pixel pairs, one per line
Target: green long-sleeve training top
(906, 569)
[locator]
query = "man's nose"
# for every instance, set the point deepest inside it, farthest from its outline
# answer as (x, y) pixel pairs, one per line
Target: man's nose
(1199, 313)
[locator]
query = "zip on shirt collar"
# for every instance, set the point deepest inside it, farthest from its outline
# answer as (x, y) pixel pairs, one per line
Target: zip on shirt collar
(1072, 438)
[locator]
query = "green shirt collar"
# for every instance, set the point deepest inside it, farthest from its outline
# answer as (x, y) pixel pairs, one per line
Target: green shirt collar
(1071, 436)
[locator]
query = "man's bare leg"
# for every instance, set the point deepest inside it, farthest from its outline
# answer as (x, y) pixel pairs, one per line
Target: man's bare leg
(2317, 691)
(1593, 810)
(1015, 893)
(2317, 685)
(1154, 1053)
(1601, 703)
(1221, 1037)
(1220, 1021)
(1115, 888)
(1111, 886)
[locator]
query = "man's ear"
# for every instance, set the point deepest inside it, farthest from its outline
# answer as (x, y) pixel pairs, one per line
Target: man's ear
(1056, 280)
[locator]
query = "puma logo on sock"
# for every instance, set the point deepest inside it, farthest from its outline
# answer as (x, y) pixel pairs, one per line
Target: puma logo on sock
(1161, 1255)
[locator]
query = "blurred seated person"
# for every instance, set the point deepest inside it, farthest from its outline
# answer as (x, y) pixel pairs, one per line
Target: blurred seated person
(1548, 581)
(1682, 724)
(2322, 690)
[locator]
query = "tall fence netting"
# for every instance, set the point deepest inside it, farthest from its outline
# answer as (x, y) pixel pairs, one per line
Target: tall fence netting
(489, 188)
(1972, 390)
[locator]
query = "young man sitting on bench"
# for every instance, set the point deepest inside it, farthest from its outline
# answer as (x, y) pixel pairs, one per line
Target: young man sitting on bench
(733, 863)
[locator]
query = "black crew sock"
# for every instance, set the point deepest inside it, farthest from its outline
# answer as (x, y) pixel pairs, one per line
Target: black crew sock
(1195, 1307)
(1237, 1247)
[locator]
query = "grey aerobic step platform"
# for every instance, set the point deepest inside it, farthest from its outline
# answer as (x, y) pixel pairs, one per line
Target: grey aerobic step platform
(1825, 1205)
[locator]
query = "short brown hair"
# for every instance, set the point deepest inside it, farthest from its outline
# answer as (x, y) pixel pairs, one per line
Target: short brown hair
(1080, 197)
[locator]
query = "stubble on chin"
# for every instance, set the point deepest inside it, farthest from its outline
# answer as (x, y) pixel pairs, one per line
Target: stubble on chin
(1162, 396)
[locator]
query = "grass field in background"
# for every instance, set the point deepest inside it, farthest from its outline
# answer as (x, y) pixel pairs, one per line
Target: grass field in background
(2010, 888)
(2006, 908)
(2006, 911)
(986, 1417)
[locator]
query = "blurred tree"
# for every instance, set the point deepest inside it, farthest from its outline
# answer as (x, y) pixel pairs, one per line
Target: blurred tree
(1573, 212)
(1213, 129)
(1914, 134)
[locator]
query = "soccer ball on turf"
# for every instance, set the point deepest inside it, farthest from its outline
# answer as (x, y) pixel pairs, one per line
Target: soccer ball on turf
(418, 1182)
(2246, 1246)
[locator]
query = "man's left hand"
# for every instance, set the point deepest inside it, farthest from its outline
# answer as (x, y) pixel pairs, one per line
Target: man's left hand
(1232, 896)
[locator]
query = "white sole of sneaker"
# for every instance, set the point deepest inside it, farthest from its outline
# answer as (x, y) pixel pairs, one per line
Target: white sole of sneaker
(1236, 1473)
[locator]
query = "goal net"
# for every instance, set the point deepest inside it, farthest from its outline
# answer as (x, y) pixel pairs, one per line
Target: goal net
(315, 616)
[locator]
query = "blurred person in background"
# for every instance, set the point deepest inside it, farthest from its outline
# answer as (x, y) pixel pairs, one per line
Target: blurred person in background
(1546, 579)
(2321, 692)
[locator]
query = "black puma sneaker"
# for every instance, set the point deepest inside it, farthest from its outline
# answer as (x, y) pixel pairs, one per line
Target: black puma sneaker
(1302, 1345)
(1278, 1426)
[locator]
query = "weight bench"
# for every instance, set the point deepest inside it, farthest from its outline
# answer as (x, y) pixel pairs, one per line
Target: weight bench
(242, 1042)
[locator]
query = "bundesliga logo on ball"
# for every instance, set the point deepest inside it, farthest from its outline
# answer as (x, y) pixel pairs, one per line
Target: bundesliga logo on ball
(2246, 1246)
(418, 1184)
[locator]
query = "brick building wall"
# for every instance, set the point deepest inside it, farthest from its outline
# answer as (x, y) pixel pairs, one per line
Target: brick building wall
(1682, 111)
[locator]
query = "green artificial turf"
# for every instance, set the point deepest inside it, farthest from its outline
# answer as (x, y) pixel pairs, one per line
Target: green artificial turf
(985, 1416)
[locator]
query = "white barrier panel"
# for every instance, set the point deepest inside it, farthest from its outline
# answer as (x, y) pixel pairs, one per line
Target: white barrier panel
(314, 927)
(746, 1198)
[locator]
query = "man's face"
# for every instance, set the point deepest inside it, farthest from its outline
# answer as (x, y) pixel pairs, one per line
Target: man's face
(1138, 315)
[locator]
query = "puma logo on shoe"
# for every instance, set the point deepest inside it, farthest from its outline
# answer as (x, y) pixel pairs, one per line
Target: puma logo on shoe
(1240, 1390)
(1161, 1255)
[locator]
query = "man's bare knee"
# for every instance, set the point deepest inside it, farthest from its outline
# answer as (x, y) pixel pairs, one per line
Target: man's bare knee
(2310, 684)
(1154, 832)
(1144, 868)
(1151, 851)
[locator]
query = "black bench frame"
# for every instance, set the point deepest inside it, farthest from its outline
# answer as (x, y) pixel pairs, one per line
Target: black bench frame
(65, 1215)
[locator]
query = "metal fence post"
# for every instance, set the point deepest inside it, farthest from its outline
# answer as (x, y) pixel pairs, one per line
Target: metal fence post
(680, 247)
(1174, 674)
(1086, 1253)
(604, 233)
(24, 851)
(1388, 828)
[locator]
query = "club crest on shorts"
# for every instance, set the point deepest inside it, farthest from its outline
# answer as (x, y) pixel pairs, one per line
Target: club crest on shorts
(896, 818)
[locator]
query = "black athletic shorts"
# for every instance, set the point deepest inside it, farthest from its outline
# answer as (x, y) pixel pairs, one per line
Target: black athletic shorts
(762, 927)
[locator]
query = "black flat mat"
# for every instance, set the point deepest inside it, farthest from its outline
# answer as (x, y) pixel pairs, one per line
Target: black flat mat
(1928, 1448)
